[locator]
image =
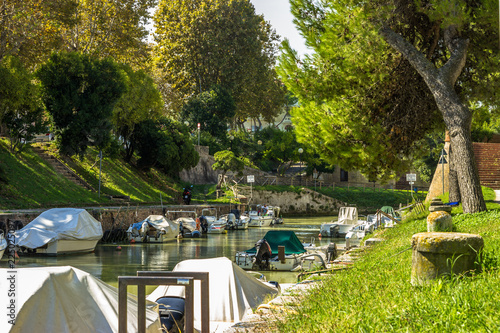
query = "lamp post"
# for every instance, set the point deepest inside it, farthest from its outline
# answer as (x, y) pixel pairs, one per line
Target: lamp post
(300, 161)
(231, 138)
(198, 134)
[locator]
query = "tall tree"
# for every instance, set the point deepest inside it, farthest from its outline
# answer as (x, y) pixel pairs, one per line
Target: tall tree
(212, 109)
(380, 51)
(164, 144)
(80, 93)
(200, 43)
(31, 29)
(111, 28)
(140, 102)
(21, 110)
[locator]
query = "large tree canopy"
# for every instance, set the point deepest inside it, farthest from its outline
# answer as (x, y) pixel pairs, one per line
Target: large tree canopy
(80, 93)
(380, 71)
(141, 101)
(200, 43)
(212, 109)
(32, 29)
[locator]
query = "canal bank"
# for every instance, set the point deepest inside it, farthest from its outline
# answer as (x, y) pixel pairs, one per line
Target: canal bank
(305, 203)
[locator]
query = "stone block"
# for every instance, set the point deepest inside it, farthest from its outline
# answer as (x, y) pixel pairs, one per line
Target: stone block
(439, 221)
(437, 254)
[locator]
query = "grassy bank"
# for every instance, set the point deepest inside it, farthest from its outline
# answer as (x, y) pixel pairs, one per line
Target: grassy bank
(30, 182)
(376, 294)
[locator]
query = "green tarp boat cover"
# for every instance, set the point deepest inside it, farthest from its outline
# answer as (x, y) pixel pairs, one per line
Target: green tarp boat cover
(388, 210)
(288, 239)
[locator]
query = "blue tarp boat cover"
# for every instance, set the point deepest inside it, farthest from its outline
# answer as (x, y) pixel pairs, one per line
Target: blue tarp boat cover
(288, 239)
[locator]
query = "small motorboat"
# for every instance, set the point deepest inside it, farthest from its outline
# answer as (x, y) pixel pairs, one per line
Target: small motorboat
(59, 231)
(137, 232)
(260, 216)
(67, 299)
(348, 218)
(190, 225)
(3, 244)
(154, 229)
(280, 250)
(236, 221)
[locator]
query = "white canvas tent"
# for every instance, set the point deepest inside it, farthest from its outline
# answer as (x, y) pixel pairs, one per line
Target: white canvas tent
(233, 292)
(66, 299)
(59, 224)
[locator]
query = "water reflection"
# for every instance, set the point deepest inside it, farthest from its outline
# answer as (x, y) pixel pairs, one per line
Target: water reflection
(107, 263)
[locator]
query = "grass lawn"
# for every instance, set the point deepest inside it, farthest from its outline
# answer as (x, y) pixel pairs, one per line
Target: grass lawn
(376, 294)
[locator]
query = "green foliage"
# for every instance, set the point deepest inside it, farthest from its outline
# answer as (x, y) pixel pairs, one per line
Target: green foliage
(80, 93)
(164, 144)
(32, 29)
(356, 94)
(212, 109)
(140, 102)
(200, 43)
(225, 160)
(20, 108)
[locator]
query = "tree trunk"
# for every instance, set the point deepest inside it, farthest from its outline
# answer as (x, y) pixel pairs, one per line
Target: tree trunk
(454, 194)
(468, 177)
(456, 114)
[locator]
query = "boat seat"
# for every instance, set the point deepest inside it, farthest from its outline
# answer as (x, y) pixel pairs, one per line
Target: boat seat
(171, 311)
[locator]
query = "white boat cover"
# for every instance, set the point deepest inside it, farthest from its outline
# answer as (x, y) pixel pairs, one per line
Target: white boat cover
(66, 299)
(58, 223)
(348, 214)
(159, 222)
(233, 292)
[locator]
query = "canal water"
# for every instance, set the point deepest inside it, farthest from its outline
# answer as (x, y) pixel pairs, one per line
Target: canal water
(107, 263)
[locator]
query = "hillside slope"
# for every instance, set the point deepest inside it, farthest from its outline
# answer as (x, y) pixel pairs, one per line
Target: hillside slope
(30, 182)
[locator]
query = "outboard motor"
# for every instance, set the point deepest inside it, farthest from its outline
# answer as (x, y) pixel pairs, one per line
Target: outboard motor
(334, 231)
(231, 220)
(331, 251)
(171, 310)
(263, 255)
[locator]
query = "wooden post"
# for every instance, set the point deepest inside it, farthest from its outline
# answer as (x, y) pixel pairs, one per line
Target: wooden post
(281, 254)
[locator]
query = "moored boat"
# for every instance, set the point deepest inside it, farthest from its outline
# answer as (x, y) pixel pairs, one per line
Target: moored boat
(348, 218)
(153, 229)
(59, 231)
(3, 244)
(259, 216)
(190, 225)
(280, 250)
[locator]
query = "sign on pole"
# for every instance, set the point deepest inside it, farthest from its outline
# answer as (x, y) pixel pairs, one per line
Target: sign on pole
(250, 179)
(411, 177)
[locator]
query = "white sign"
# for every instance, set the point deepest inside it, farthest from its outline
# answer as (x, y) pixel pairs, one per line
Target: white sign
(411, 177)
(250, 179)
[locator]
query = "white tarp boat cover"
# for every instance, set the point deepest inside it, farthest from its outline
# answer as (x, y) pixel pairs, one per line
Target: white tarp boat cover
(58, 223)
(159, 222)
(65, 299)
(233, 292)
(348, 215)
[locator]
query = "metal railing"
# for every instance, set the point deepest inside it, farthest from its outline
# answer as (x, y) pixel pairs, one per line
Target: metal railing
(145, 278)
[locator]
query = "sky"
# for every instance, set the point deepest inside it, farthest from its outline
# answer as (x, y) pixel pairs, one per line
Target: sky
(277, 12)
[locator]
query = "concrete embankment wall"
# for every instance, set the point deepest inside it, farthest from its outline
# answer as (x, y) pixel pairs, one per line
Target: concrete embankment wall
(306, 202)
(116, 217)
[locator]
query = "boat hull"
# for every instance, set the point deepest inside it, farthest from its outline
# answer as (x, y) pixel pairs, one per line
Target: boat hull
(67, 246)
(260, 221)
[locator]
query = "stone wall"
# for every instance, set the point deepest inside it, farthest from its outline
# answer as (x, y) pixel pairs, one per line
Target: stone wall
(306, 202)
